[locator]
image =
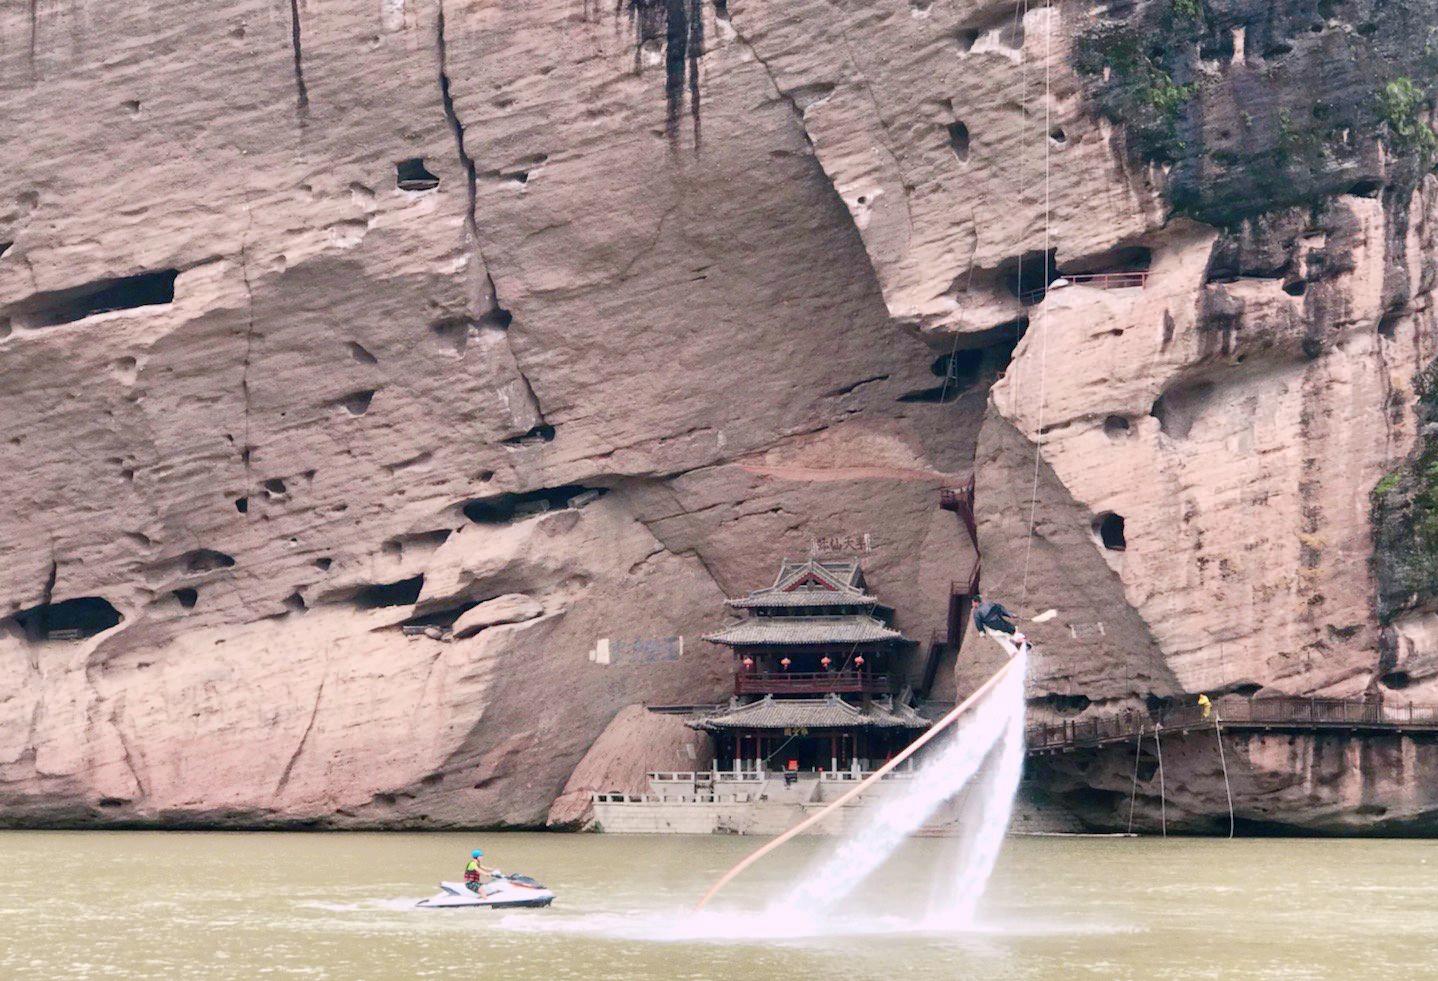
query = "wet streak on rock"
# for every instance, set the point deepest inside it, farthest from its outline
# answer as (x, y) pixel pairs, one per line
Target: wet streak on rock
(681, 25)
(302, 96)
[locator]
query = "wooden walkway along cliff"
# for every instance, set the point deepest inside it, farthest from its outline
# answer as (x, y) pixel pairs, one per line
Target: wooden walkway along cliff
(1284, 713)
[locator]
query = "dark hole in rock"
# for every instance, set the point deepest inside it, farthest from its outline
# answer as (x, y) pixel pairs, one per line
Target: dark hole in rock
(242, 504)
(543, 433)
(1366, 188)
(1157, 705)
(1296, 288)
(1371, 810)
(1029, 276)
(452, 335)
(274, 486)
(323, 563)
(1397, 680)
(402, 593)
(502, 508)
(72, 619)
(132, 106)
(1094, 799)
(411, 175)
(206, 560)
(965, 40)
(111, 802)
(1277, 49)
(498, 317)
(67, 306)
(1181, 406)
(1125, 258)
(1116, 426)
(357, 403)
(959, 140)
(1147, 766)
(937, 394)
(1388, 323)
(295, 602)
(1066, 704)
(920, 8)
(1312, 347)
(187, 597)
(360, 354)
(1109, 529)
(5, 247)
(440, 618)
(721, 10)
(430, 779)
(1058, 135)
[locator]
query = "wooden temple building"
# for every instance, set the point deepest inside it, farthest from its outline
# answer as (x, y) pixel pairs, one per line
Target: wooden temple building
(820, 677)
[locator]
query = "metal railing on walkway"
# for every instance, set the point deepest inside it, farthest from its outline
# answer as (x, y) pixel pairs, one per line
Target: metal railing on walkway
(1287, 712)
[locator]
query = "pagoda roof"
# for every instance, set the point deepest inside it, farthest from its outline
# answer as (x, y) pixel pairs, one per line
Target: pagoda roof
(802, 598)
(852, 629)
(811, 583)
(829, 712)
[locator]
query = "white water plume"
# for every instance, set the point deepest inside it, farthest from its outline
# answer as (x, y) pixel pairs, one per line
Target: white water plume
(993, 734)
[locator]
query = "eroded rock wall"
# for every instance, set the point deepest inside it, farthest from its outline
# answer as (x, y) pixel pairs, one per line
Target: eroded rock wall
(325, 323)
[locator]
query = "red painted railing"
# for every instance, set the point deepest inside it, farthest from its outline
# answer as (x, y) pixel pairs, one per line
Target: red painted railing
(811, 683)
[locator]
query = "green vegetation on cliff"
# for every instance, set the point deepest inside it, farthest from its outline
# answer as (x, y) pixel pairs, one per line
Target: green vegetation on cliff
(1404, 509)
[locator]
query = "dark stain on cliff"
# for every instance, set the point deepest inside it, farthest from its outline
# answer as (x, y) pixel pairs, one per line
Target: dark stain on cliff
(302, 95)
(678, 27)
(1258, 104)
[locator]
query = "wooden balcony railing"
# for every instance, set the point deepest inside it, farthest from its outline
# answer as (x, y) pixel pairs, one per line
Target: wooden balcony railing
(811, 683)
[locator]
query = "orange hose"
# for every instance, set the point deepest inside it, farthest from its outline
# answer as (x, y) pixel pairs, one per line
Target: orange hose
(859, 788)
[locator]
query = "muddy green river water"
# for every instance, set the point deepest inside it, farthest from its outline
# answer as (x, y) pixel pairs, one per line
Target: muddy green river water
(321, 906)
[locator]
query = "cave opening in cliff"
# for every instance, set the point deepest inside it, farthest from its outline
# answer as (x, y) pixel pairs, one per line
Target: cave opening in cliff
(403, 593)
(959, 140)
(442, 618)
(1029, 276)
(542, 433)
(1067, 705)
(126, 293)
(1116, 427)
(357, 403)
(1180, 406)
(412, 175)
(73, 619)
(1123, 259)
(501, 509)
(1109, 529)
(1397, 680)
(206, 560)
(188, 597)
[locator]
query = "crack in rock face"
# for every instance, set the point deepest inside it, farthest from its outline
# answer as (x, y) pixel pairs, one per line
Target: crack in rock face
(377, 424)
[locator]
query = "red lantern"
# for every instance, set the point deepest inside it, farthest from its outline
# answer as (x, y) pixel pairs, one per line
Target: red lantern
(748, 663)
(859, 661)
(825, 662)
(784, 663)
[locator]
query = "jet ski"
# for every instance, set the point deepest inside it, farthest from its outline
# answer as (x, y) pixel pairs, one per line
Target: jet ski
(505, 892)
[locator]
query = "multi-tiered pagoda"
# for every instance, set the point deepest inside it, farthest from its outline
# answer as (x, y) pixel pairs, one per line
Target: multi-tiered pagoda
(820, 678)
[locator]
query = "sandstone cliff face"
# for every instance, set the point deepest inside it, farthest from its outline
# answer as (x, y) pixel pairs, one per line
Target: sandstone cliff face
(326, 323)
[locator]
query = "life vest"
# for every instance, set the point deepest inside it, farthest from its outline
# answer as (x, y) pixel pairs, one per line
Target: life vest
(471, 871)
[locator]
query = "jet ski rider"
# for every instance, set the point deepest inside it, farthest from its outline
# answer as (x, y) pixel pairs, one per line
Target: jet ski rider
(476, 874)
